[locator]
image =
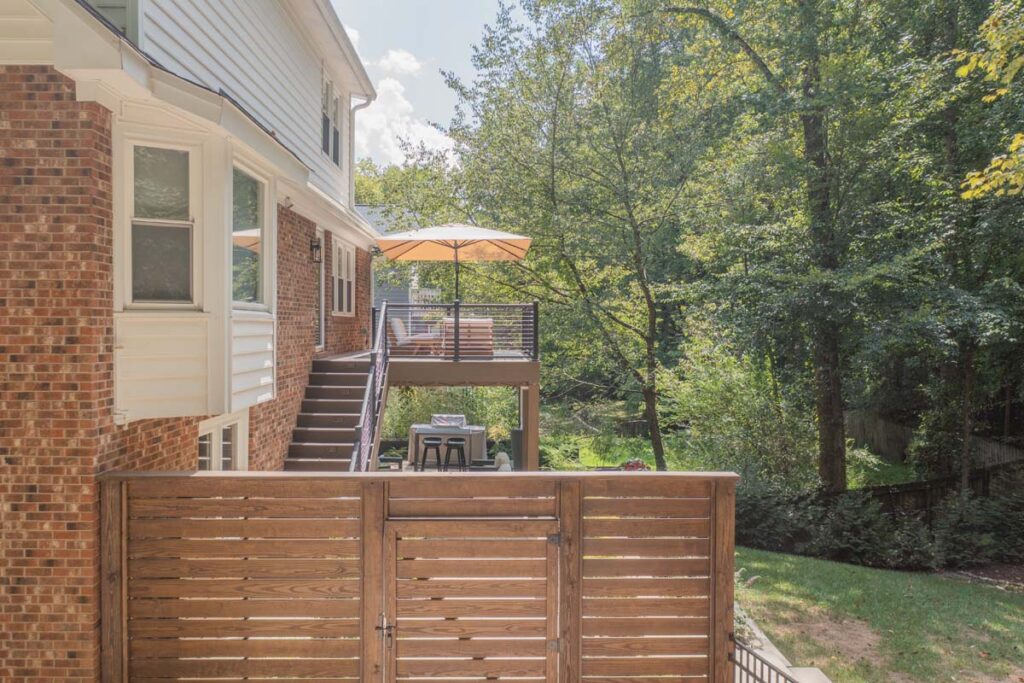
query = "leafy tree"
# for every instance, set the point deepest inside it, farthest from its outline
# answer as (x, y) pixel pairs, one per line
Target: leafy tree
(1001, 60)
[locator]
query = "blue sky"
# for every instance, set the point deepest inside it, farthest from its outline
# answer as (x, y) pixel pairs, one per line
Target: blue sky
(404, 44)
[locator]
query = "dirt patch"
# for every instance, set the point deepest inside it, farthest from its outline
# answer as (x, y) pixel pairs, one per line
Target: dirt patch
(1008, 576)
(851, 639)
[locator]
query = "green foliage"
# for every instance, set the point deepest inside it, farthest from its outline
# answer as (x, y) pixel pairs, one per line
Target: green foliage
(853, 528)
(736, 416)
(864, 469)
(496, 408)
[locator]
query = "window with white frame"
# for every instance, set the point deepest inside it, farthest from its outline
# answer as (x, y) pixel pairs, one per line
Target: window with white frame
(320, 295)
(223, 443)
(330, 123)
(248, 238)
(344, 267)
(162, 239)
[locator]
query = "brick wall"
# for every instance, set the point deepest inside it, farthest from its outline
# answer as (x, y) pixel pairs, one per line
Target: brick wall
(56, 389)
(271, 423)
(348, 333)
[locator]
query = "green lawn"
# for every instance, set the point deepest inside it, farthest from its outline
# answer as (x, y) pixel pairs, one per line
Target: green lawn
(860, 624)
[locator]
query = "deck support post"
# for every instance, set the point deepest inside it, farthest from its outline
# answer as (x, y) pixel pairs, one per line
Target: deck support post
(529, 423)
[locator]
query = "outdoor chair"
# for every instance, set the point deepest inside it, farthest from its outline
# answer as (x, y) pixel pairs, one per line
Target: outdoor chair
(405, 344)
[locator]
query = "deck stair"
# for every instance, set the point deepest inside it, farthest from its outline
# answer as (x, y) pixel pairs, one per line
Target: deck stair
(325, 430)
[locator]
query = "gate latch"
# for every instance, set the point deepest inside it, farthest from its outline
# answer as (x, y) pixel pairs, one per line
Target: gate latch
(386, 630)
(556, 539)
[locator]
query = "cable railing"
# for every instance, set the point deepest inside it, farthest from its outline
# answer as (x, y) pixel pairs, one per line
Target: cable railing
(750, 667)
(459, 331)
(373, 399)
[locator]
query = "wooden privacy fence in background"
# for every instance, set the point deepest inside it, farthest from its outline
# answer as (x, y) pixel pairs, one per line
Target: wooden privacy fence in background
(593, 577)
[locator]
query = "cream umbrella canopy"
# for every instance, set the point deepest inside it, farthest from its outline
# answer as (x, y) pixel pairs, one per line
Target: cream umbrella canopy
(454, 242)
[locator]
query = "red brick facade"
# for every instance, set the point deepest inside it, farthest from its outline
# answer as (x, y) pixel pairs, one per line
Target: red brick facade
(271, 423)
(57, 427)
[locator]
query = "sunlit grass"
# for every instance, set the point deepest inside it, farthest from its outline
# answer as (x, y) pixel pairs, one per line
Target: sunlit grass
(859, 624)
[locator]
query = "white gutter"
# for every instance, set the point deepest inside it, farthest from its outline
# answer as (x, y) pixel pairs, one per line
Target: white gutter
(352, 146)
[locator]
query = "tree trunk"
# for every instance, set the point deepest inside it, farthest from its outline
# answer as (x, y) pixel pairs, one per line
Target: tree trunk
(828, 379)
(829, 406)
(967, 416)
(650, 395)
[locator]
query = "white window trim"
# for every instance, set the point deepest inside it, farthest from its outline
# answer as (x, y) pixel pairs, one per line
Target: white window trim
(214, 427)
(334, 116)
(322, 292)
(267, 244)
(195, 203)
(340, 248)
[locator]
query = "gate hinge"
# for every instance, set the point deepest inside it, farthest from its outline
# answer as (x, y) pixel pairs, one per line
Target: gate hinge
(553, 645)
(555, 538)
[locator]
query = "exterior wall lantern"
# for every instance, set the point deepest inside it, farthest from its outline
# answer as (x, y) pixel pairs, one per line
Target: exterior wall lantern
(316, 250)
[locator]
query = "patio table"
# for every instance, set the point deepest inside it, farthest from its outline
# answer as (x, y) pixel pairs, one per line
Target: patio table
(475, 435)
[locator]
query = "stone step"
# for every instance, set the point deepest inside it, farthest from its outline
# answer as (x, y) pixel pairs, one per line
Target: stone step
(330, 405)
(346, 420)
(307, 449)
(349, 393)
(333, 435)
(337, 379)
(316, 465)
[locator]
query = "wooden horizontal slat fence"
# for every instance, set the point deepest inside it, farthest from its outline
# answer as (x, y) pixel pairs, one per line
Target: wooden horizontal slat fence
(594, 577)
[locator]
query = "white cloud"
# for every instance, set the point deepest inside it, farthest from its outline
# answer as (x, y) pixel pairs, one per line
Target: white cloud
(391, 118)
(399, 63)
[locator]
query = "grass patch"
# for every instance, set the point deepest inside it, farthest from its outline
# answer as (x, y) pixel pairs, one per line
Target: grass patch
(867, 625)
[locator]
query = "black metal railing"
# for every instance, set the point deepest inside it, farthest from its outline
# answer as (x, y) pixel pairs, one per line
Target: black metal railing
(750, 667)
(459, 331)
(363, 456)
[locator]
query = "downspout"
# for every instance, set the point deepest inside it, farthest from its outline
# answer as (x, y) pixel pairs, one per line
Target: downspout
(352, 146)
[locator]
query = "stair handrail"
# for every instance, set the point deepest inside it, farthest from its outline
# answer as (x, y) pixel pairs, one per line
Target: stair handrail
(373, 397)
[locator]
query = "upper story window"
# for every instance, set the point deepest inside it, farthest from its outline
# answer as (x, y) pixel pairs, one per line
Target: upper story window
(330, 123)
(247, 238)
(162, 229)
(344, 266)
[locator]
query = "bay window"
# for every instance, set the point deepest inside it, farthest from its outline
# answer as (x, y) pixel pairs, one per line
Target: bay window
(247, 238)
(161, 226)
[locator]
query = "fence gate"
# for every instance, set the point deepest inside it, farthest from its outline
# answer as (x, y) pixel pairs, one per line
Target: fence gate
(470, 581)
(574, 578)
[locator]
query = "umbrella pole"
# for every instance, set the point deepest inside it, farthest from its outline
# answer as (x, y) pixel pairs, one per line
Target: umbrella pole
(456, 273)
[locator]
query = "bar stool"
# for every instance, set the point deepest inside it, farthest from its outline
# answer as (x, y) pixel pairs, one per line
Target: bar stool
(430, 443)
(456, 443)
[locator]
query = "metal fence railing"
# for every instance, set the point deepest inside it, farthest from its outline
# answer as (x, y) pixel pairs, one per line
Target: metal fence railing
(750, 667)
(459, 331)
(373, 401)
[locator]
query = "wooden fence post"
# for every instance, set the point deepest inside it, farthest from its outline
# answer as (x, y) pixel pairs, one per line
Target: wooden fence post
(113, 558)
(723, 576)
(570, 528)
(373, 513)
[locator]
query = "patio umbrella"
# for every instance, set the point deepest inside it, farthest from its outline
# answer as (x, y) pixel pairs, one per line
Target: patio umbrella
(456, 243)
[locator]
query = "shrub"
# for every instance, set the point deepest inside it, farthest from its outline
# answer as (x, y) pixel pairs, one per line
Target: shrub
(735, 416)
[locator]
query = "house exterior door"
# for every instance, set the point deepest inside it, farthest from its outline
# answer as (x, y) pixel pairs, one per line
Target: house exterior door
(470, 598)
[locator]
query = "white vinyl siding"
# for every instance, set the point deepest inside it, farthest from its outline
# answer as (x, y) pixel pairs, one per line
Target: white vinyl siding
(254, 52)
(252, 359)
(161, 364)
